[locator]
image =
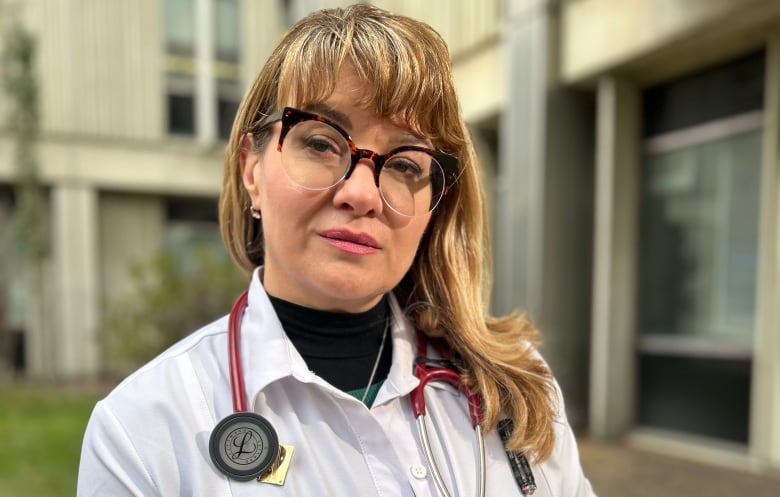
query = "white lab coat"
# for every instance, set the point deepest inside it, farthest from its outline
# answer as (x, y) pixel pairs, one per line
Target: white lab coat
(150, 436)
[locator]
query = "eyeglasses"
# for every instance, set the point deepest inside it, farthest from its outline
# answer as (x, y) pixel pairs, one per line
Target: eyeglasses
(318, 154)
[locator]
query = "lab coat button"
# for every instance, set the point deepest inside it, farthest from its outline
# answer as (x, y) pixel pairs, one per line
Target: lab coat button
(419, 472)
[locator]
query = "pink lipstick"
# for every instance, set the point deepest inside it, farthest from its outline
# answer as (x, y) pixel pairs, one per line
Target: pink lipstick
(349, 242)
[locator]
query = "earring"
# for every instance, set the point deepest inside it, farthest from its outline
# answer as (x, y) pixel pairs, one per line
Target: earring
(255, 213)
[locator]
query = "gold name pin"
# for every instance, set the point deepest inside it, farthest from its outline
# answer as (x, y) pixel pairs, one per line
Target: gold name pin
(278, 471)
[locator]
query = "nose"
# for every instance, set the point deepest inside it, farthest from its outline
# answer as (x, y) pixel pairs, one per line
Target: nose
(359, 191)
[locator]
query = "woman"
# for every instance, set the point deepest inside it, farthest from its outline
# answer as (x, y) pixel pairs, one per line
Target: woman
(352, 198)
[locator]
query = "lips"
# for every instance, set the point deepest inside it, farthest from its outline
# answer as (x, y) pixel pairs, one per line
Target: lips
(348, 241)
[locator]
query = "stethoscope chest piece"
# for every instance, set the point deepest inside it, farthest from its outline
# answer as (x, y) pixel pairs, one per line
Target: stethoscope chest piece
(244, 446)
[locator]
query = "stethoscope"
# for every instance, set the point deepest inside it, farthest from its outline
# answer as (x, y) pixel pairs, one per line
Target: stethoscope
(244, 445)
(427, 370)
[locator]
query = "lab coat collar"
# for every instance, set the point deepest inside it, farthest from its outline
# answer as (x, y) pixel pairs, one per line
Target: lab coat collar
(400, 379)
(268, 355)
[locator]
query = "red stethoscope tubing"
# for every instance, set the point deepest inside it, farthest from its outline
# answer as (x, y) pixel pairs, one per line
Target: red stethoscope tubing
(426, 374)
(427, 370)
(234, 353)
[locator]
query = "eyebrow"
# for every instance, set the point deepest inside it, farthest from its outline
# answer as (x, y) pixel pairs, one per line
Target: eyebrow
(409, 139)
(326, 111)
(345, 122)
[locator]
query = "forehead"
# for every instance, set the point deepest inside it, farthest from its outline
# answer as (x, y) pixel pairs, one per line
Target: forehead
(348, 91)
(342, 88)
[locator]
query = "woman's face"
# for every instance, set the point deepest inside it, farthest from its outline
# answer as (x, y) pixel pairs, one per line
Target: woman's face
(342, 248)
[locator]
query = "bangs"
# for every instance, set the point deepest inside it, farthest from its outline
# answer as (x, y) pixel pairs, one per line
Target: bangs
(405, 71)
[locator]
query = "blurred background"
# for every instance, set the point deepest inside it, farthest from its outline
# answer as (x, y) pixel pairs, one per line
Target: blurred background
(631, 155)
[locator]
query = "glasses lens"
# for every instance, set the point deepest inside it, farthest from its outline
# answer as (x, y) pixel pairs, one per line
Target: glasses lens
(412, 182)
(315, 155)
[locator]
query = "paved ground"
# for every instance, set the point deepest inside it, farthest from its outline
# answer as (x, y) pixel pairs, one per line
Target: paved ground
(621, 471)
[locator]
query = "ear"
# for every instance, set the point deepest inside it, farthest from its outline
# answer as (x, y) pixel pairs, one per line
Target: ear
(248, 161)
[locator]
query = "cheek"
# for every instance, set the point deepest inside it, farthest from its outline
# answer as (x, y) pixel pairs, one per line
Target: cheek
(272, 187)
(413, 236)
(287, 210)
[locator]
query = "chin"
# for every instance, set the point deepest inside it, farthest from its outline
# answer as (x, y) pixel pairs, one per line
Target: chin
(343, 292)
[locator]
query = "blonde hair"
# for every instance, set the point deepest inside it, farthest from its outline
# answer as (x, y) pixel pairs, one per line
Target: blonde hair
(405, 65)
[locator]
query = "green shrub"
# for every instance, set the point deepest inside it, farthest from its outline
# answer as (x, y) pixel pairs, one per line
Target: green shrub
(174, 295)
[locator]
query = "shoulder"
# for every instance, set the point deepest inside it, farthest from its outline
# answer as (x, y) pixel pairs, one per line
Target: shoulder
(165, 407)
(180, 375)
(555, 392)
(195, 345)
(562, 472)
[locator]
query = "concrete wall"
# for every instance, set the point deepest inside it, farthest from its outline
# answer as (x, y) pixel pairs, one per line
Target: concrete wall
(765, 419)
(544, 197)
(652, 40)
(96, 79)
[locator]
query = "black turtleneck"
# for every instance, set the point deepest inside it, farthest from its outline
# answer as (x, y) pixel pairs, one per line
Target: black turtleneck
(339, 347)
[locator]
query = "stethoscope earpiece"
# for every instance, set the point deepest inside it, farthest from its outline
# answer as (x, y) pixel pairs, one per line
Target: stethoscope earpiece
(244, 446)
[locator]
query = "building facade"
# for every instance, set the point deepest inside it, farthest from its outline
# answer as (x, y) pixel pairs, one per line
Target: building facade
(630, 152)
(684, 329)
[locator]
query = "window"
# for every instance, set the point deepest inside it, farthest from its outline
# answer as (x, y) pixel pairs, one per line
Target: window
(226, 108)
(699, 240)
(192, 230)
(183, 69)
(698, 250)
(227, 30)
(181, 114)
(179, 20)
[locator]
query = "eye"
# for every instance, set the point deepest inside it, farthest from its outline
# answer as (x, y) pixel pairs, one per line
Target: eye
(404, 166)
(318, 141)
(321, 145)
